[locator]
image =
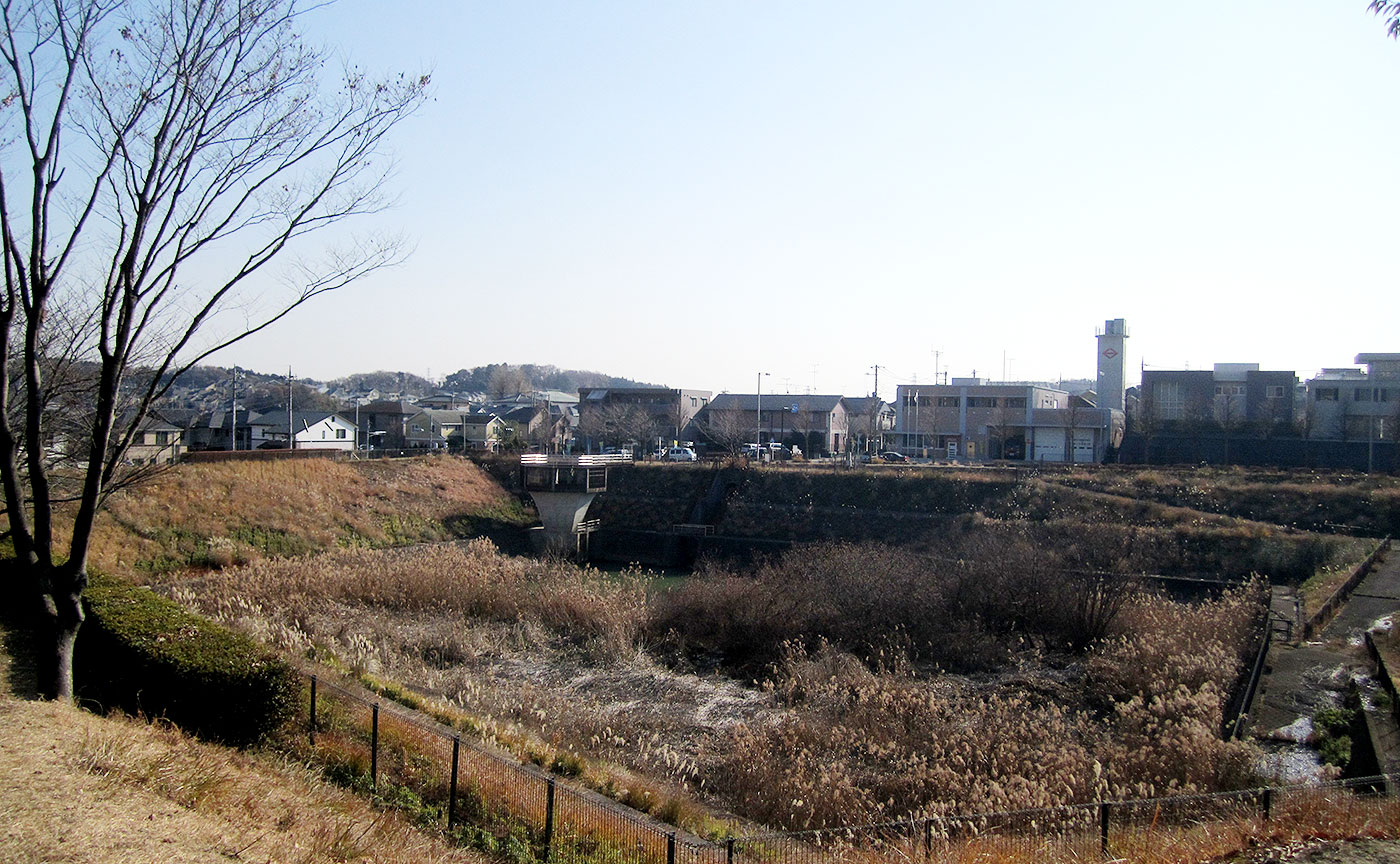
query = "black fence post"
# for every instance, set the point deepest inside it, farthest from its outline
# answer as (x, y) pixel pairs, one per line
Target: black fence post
(729, 851)
(671, 848)
(549, 819)
(928, 839)
(1103, 827)
(374, 749)
(452, 787)
(311, 727)
(1266, 801)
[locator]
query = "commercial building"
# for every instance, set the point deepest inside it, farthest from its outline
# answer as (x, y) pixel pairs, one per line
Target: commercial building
(1232, 397)
(974, 419)
(1351, 404)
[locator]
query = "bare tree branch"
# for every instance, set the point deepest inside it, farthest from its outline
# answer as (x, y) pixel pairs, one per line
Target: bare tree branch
(158, 142)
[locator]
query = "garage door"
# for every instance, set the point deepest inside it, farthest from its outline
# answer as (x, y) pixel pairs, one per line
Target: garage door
(1050, 446)
(1084, 445)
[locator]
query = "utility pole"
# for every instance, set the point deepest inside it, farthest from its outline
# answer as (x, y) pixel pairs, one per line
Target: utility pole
(291, 433)
(876, 394)
(233, 412)
(936, 355)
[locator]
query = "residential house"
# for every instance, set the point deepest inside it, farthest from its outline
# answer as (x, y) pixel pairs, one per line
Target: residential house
(384, 425)
(484, 431)
(216, 430)
(819, 425)
(868, 418)
(972, 418)
(157, 442)
(639, 416)
(323, 431)
(446, 401)
(435, 429)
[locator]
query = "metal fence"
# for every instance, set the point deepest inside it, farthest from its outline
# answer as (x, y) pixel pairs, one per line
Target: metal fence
(392, 750)
(1203, 825)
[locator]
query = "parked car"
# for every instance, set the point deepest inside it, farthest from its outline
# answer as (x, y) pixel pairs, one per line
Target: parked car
(892, 456)
(680, 454)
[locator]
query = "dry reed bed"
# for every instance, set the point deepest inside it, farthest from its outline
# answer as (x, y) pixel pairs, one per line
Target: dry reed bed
(837, 735)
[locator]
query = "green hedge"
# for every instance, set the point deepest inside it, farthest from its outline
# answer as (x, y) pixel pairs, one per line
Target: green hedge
(142, 653)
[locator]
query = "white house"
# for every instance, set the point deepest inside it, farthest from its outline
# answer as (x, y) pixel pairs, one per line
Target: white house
(321, 431)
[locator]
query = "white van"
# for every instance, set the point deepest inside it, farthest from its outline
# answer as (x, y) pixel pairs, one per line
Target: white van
(680, 454)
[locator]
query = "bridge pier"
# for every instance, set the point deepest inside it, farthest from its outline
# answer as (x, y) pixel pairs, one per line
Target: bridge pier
(562, 488)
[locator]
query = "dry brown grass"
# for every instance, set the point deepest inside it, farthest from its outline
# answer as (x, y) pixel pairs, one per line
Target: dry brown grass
(79, 788)
(459, 580)
(222, 514)
(869, 746)
(1317, 590)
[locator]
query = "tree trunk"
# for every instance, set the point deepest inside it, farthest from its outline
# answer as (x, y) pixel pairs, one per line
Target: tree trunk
(64, 605)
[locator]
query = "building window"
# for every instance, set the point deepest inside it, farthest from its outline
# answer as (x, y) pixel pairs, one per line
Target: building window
(981, 401)
(162, 438)
(1229, 389)
(694, 402)
(1168, 400)
(949, 401)
(1325, 394)
(340, 433)
(1273, 392)
(1015, 402)
(1362, 394)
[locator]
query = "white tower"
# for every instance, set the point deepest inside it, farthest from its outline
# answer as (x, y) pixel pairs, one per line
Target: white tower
(1112, 362)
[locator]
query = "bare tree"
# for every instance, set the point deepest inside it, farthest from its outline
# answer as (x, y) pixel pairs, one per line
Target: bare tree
(157, 158)
(1003, 426)
(619, 423)
(507, 381)
(724, 427)
(1390, 10)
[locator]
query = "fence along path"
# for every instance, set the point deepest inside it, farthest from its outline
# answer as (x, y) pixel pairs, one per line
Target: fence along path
(473, 782)
(476, 783)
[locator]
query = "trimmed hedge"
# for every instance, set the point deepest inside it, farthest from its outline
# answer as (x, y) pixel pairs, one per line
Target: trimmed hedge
(143, 653)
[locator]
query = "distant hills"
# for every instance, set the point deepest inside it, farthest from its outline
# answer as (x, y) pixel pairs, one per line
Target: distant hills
(207, 388)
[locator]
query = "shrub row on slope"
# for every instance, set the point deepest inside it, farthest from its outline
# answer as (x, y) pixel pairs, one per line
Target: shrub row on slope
(144, 654)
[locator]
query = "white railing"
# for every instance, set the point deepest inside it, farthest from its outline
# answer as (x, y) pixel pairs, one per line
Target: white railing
(584, 459)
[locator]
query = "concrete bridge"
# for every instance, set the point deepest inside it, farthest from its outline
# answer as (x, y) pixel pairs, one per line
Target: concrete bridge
(562, 488)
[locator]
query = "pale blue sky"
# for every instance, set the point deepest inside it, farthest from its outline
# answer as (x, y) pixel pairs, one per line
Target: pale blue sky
(690, 193)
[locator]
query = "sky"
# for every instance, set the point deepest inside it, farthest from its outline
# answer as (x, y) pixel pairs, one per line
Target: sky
(695, 194)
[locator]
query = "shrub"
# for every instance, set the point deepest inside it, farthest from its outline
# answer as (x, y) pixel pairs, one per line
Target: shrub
(960, 605)
(145, 654)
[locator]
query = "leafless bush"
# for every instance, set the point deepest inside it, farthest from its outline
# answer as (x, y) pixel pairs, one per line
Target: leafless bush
(960, 604)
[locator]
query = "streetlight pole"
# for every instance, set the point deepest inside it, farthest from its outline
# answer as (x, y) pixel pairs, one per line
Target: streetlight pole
(758, 424)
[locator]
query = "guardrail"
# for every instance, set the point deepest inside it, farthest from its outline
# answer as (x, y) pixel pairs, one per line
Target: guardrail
(579, 459)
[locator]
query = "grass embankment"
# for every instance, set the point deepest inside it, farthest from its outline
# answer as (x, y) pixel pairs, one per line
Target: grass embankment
(214, 515)
(1343, 502)
(76, 787)
(1318, 589)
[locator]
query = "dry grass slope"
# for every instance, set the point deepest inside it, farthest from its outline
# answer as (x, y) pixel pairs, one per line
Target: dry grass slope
(75, 787)
(219, 514)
